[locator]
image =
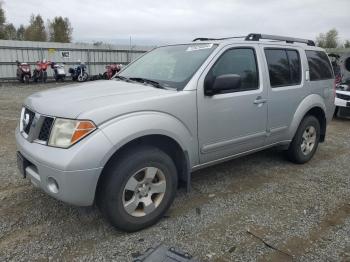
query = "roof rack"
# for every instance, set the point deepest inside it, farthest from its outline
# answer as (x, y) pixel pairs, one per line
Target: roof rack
(257, 37)
(290, 40)
(211, 39)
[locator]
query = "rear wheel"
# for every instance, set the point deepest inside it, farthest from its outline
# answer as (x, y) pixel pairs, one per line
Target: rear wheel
(138, 189)
(305, 141)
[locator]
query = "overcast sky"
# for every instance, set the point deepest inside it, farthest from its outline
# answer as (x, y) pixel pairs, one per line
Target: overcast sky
(159, 21)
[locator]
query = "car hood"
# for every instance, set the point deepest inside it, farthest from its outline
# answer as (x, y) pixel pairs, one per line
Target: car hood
(84, 99)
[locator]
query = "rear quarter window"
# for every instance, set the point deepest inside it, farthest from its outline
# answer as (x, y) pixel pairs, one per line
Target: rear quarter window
(319, 65)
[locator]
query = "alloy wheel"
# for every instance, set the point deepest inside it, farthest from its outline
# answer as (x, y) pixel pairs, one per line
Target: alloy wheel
(144, 191)
(308, 140)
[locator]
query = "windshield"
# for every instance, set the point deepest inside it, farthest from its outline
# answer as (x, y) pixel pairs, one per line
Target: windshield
(170, 66)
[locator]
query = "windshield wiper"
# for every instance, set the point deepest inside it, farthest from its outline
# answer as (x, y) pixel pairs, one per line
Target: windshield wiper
(121, 78)
(147, 81)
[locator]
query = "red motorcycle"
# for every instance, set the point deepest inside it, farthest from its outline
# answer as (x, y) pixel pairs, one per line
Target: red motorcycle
(23, 72)
(39, 73)
(111, 70)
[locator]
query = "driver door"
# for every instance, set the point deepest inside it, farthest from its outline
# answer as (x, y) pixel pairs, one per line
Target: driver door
(233, 121)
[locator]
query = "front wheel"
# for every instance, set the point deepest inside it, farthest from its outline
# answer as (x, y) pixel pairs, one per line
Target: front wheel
(83, 77)
(305, 141)
(138, 189)
(26, 79)
(44, 75)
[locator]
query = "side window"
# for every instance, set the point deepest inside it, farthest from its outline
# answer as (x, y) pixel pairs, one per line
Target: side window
(240, 61)
(284, 67)
(319, 65)
(295, 66)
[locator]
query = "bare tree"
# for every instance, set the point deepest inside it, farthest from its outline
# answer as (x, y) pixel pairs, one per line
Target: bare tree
(10, 32)
(20, 32)
(347, 44)
(329, 39)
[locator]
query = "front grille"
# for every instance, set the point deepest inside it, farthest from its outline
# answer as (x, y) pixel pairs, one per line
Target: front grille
(30, 115)
(35, 127)
(344, 97)
(46, 129)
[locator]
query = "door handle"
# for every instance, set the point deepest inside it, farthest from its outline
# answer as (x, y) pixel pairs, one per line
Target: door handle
(259, 100)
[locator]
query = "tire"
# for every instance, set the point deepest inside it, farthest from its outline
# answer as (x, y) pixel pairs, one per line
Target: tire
(35, 76)
(85, 76)
(26, 79)
(44, 76)
(300, 150)
(80, 78)
(336, 112)
(113, 197)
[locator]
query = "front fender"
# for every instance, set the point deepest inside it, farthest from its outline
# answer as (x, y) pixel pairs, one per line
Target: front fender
(309, 102)
(131, 126)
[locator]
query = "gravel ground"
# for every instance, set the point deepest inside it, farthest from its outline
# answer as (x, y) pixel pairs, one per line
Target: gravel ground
(259, 207)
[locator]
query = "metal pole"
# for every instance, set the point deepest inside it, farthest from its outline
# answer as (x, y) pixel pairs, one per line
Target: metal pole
(129, 56)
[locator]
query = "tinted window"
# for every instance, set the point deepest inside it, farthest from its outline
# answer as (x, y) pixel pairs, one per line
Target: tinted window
(284, 67)
(295, 66)
(319, 65)
(240, 61)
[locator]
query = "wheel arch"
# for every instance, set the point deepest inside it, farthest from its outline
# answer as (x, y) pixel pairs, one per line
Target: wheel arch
(165, 143)
(311, 105)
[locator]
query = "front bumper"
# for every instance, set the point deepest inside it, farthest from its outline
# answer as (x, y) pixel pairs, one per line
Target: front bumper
(76, 170)
(343, 107)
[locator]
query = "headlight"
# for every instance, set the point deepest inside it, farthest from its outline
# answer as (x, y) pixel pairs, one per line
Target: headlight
(66, 132)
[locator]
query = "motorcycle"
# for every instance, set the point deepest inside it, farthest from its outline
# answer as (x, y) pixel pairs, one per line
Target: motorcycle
(58, 71)
(111, 70)
(39, 72)
(23, 72)
(79, 73)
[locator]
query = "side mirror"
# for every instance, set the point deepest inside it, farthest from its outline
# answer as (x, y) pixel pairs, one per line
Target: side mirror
(222, 83)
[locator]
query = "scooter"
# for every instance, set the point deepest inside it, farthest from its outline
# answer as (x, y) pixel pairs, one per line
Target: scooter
(39, 72)
(111, 70)
(79, 73)
(58, 71)
(23, 72)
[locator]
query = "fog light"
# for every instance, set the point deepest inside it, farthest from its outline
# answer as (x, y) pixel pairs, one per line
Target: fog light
(52, 185)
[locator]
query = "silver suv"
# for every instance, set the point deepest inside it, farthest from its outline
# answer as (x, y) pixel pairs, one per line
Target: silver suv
(126, 144)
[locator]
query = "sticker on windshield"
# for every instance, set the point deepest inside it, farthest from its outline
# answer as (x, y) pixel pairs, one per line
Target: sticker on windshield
(199, 47)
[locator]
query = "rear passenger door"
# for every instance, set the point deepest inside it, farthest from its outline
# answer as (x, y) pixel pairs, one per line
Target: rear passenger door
(286, 91)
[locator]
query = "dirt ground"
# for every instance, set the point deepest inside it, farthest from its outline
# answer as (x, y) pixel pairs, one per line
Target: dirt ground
(256, 208)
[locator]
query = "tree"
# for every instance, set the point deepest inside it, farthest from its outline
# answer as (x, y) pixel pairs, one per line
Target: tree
(10, 32)
(2, 22)
(2, 15)
(20, 32)
(36, 29)
(347, 44)
(329, 39)
(60, 30)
